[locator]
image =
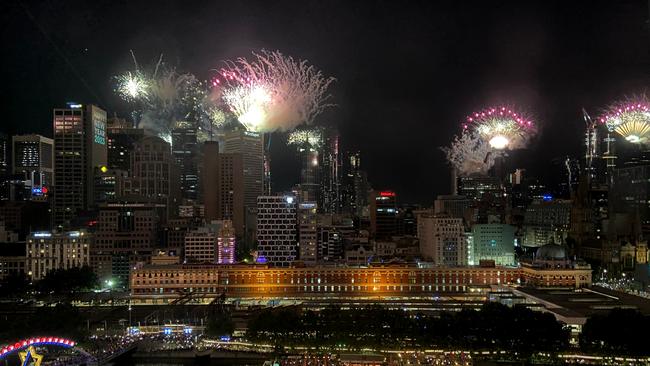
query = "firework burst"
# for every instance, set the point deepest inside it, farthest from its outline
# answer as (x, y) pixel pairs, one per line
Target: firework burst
(132, 86)
(630, 119)
(502, 127)
(273, 92)
(470, 153)
(312, 138)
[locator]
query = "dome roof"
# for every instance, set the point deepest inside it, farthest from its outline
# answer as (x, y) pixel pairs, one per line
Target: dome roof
(551, 251)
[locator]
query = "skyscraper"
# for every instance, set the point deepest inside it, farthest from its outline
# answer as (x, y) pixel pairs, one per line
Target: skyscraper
(121, 138)
(494, 242)
(154, 174)
(33, 161)
(126, 234)
(185, 150)
(276, 230)
(223, 186)
(383, 214)
(251, 147)
(330, 173)
(79, 149)
(307, 232)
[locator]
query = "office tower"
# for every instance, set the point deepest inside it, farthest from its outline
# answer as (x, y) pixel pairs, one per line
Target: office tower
(330, 173)
(452, 205)
(4, 154)
(309, 173)
(185, 150)
(407, 221)
(201, 245)
(223, 186)
(354, 185)
(442, 240)
(121, 136)
(25, 216)
(383, 214)
(33, 162)
(126, 234)
(494, 242)
(332, 232)
(546, 221)
(154, 174)
(251, 147)
(48, 251)
(109, 184)
(226, 244)
(276, 230)
(79, 149)
(308, 232)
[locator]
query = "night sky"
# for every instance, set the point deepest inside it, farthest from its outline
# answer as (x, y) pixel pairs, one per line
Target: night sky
(408, 74)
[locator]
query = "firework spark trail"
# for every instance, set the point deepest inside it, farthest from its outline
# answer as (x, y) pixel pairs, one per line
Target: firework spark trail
(312, 138)
(163, 97)
(502, 127)
(470, 153)
(275, 92)
(630, 119)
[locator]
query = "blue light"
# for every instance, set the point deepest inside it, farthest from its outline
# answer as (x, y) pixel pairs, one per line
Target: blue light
(187, 330)
(261, 259)
(224, 338)
(547, 197)
(167, 331)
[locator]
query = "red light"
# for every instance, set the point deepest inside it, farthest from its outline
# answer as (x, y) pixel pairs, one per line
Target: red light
(387, 194)
(44, 190)
(17, 345)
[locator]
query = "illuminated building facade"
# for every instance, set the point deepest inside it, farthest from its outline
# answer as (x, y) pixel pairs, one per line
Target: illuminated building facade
(47, 251)
(33, 161)
(494, 242)
(442, 240)
(250, 145)
(201, 245)
(121, 138)
(185, 150)
(160, 282)
(330, 173)
(276, 230)
(226, 244)
(546, 221)
(383, 214)
(308, 232)
(79, 148)
(126, 234)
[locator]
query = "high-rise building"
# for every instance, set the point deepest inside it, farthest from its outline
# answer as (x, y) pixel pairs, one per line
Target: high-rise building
(47, 251)
(121, 136)
(4, 154)
(223, 186)
(546, 221)
(309, 173)
(126, 234)
(354, 185)
(442, 240)
(226, 244)
(201, 245)
(276, 230)
(383, 214)
(630, 194)
(452, 205)
(79, 149)
(330, 173)
(185, 150)
(308, 232)
(251, 147)
(154, 174)
(494, 242)
(33, 161)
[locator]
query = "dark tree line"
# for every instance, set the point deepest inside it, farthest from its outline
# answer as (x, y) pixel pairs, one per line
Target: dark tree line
(61, 320)
(493, 327)
(58, 281)
(619, 332)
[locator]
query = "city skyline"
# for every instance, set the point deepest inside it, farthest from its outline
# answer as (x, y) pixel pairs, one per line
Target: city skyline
(543, 67)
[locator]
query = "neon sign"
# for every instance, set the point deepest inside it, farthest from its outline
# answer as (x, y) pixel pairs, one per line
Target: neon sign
(25, 343)
(387, 194)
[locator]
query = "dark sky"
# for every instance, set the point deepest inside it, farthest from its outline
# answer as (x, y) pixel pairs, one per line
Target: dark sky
(408, 72)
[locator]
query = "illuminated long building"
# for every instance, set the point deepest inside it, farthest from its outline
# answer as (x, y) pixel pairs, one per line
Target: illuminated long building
(155, 282)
